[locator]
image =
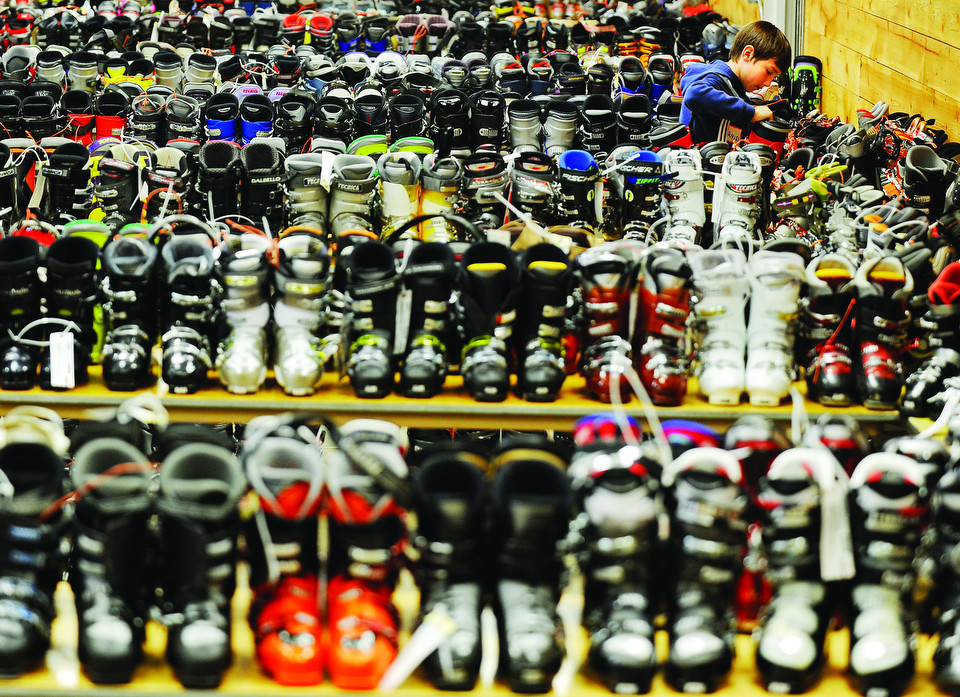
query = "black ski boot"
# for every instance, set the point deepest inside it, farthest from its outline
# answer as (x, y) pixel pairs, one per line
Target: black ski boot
(794, 624)
(450, 495)
(707, 504)
(489, 293)
(20, 257)
(530, 513)
(372, 286)
(189, 311)
(110, 530)
(130, 301)
(616, 537)
(200, 489)
(888, 510)
(945, 525)
(71, 293)
(547, 281)
(33, 529)
(429, 274)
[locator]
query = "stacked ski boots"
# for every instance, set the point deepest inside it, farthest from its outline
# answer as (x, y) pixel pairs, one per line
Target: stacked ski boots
(366, 476)
(825, 336)
(286, 474)
(20, 306)
(793, 626)
(707, 505)
(887, 516)
(775, 281)
(659, 350)
(607, 277)
(615, 533)
(720, 286)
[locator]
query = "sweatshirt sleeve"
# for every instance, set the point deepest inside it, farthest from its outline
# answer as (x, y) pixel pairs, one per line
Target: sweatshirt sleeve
(707, 95)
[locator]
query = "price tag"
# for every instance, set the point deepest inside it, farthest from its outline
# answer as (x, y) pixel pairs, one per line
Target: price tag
(61, 360)
(402, 331)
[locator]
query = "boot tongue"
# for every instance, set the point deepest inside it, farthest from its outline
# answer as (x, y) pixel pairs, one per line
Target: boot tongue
(545, 269)
(398, 172)
(486, 269)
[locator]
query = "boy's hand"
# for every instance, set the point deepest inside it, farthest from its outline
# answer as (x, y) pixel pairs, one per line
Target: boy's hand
(761, 113)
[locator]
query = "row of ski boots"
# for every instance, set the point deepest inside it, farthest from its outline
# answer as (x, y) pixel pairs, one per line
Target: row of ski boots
(493, 526)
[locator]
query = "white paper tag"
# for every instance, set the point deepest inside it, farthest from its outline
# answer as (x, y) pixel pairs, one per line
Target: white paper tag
(836, 544)
(61, 360)
(402, 330)
(500, 237)
(39, 188)
(719, 187)
(326, 170)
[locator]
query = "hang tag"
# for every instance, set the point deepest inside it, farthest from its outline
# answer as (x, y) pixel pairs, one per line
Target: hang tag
(719, 188)
(500, 237)
(598, 199)
(39, 188)
(326, 170)
(61, 360)
(402, 329)
(436, 628)
(836, 544)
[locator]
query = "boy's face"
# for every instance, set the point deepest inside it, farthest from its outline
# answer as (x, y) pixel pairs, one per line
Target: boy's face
(756, 74)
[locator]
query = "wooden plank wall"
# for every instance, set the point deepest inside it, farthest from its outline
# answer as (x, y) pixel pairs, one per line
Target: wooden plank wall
(904, 52)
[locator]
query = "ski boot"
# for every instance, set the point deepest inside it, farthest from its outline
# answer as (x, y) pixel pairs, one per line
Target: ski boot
(614, 486)
(20, 296)
(33, 527)
(607, 277)
(683, 196)
(372, 286)
(286, 474)
(301, 278)
(707, 506)
(736, 206)
(243, 272)
(530, 510)
(110, 528)
(887, 514)
(546, 284)
(489, 293)
(450, 495)
(129, 289)
(200, 486)
(367, 536)
(659, 351)
(793, 626)
(721, 286)
(826, 330)
(429, 274)
(775, 277)
(881, 320)
(945, 525)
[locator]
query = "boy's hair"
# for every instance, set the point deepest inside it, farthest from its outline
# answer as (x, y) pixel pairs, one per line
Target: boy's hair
(767, 41)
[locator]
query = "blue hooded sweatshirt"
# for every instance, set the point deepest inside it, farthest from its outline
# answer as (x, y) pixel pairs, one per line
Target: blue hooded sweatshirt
(712, 94)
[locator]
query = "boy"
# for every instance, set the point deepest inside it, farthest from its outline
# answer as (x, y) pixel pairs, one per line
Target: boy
(715, 105)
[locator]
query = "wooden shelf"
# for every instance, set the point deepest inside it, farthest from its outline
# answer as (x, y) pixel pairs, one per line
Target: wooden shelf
(453, 407)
